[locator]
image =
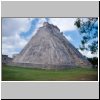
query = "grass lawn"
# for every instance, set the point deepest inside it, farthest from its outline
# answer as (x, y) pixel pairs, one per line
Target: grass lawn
(28, 74)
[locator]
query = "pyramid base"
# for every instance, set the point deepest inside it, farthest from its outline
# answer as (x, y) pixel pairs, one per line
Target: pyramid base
(48, 66)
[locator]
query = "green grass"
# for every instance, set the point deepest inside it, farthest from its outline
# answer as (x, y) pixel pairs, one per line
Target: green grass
(28, 74)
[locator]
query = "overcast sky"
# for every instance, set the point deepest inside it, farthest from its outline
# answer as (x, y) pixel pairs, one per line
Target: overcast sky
(16, 32)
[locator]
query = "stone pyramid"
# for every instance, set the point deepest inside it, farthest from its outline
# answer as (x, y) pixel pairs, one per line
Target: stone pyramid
(49, 49)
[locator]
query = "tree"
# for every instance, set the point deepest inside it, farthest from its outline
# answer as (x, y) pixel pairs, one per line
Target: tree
(88, 27)
(93, 61)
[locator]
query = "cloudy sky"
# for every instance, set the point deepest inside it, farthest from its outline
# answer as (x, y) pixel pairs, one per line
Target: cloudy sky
(16, 32)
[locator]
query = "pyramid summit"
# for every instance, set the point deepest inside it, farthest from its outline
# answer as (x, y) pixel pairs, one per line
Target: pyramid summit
(49, 49)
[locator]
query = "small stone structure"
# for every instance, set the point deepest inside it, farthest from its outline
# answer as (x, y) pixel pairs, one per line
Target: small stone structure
(6, 59)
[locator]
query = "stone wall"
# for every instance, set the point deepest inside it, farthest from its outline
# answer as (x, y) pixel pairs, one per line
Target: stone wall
(43, 66)
(6, 59)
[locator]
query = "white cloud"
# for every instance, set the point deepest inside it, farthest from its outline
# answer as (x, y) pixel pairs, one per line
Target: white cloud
(9, 52)
(10, 26)
(11, 29)
(88, 53)
(64, 24)
(11, 44)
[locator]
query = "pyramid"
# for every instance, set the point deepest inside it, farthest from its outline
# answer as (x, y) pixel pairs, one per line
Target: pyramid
(49, 49)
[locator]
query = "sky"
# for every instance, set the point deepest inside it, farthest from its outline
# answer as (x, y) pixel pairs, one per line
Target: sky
(16, 33)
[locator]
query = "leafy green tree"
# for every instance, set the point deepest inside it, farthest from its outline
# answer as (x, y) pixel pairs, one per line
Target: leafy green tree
(93, 61)
(88, 28)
